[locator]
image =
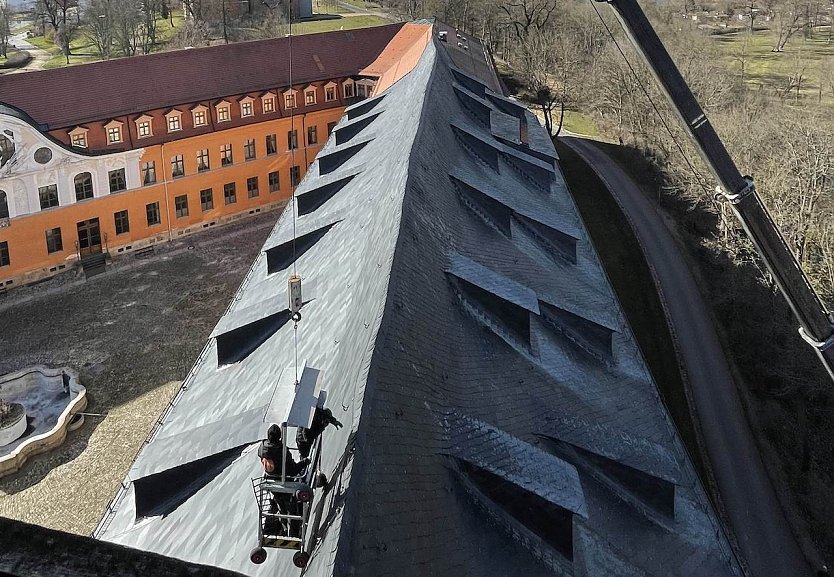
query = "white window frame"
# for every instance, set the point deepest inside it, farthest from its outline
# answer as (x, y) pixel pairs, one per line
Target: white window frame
(330, 86)
(173, 120)
(199, 110)
(308, 91)
(352, 84)
(290, 94)
(227, 107)
(116, 127)
(247, 102)
(78, 137)
(269, 97)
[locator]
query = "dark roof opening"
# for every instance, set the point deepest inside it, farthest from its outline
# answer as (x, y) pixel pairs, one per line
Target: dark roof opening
(492, 211)
(655, 492)
(345, 133)
(478, 110)
(330, 162)
(162, 493)
(311, 200)
(480, 149)
(363, 108)
(470, 83)
(530, 171)
(237, 344)
(280, 257)
(590, 336)
(556, 241)
(511, 316)
(553, 524)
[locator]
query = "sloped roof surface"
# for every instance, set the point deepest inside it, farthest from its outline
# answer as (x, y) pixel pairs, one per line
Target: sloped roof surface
(460, 394)
(68, 96)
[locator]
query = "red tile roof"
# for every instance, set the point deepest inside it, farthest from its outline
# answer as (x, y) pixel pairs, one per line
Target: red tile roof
(68, 96)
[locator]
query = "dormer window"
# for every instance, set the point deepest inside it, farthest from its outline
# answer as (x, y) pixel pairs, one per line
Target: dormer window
(268, 102)
(364, 88)
(199, 116)
(114, 132)
(144, 128)
(289, 99)
(347, 86)
(78, 137)
(330, 92)
(246, 107)
(224, 111)
(310, 96)
(174, 120)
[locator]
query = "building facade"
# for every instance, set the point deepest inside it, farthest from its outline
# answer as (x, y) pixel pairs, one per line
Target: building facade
(108, 172)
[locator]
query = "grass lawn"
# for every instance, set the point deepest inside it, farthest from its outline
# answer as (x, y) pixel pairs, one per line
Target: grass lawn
(348, 23)
(41, 42)
(579, 123)
(772, 70)
(164, 30)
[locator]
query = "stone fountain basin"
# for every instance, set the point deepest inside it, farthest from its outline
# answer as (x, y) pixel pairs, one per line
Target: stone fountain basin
(50, 412)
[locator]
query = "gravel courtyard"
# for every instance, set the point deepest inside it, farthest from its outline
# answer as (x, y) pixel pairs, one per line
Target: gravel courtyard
(132, 333)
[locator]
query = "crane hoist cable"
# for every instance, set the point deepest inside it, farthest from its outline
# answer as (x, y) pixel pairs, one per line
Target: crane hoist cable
(698, 176)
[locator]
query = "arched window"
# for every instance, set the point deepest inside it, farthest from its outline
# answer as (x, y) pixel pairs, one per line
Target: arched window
(4, 205)
(83, 186)
(6, 149)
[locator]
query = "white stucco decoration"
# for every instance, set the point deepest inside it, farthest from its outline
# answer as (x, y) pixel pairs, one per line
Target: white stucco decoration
(21, 176)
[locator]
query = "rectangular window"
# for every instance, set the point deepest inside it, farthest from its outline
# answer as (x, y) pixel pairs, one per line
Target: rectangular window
(152, 212)
(292, 139)
(53, 241)
(246, 109)
(252, 186)
(4, 253)
(295, 175)
(309, 97)
(223, 114)
(274, 182)
(114, 135)
(226, 155)
(79, 140)
(203, 160)
(271, 144)
(312, 135)
(199, 117)
(145, 129)
(122, 222)
(269, 105)
(48, 196)
(349, 90)
(83, 186)
(117, 180)
(177, 166)
(173, 123)
(229, 195)
(330, 94)
(181, 205)
(149, 172)
(330, 127)
(249, 149)
(289, 100)
(206, 199)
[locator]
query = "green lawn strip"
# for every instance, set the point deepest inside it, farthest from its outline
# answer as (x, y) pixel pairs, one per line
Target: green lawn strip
(632, 281)
(329, 25)
(42, 43)
(164, 29)
(579, 123)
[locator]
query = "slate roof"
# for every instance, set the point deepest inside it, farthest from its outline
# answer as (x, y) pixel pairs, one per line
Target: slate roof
(65, 97)
(498, 416)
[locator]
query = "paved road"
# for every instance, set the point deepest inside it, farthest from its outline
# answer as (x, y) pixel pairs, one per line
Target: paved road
(39, 56)
(751, 505)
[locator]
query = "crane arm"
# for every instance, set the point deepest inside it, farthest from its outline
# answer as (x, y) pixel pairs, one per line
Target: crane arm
(816, 323)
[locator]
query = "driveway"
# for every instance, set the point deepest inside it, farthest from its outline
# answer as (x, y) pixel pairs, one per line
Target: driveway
(39, 56)
(748, 498)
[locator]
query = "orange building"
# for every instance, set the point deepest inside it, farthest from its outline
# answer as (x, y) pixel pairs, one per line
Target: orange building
(115, 156)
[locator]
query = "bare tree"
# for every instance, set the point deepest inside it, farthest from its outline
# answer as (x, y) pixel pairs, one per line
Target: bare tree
(5, 29)
(789, 18)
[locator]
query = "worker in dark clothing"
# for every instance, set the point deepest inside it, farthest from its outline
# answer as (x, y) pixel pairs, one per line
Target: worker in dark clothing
(272, 454)
(306, 437)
